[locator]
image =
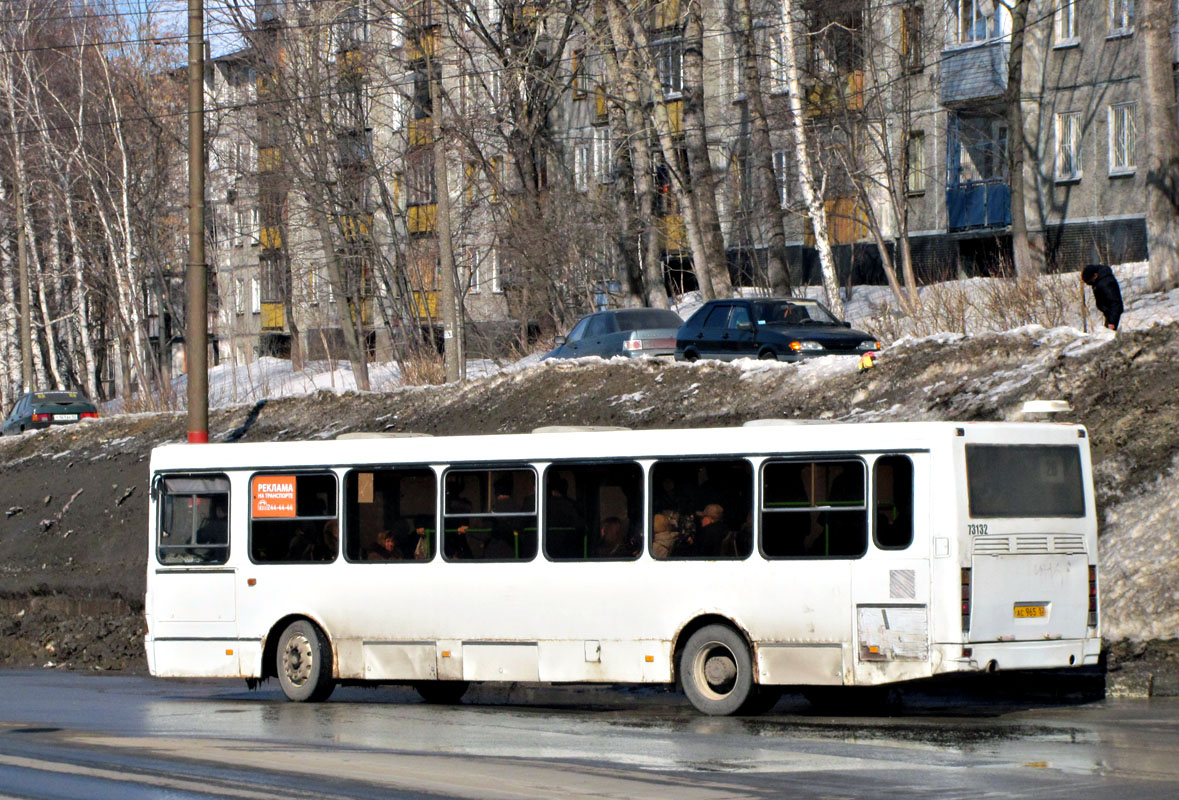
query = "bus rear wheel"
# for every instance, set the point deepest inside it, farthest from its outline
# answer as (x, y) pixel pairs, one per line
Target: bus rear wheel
(303, 662)
(716, 670)
(442, 693)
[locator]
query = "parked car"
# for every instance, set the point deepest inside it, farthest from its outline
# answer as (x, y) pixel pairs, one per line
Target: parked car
(42, 409)
(621, 332)
(782, 328)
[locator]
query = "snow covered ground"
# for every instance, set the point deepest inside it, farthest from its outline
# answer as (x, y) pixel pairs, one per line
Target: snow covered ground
(231, 385)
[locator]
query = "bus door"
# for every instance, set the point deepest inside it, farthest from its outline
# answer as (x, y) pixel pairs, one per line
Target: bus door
(192, 590)
(891, 583)
(1028, 535)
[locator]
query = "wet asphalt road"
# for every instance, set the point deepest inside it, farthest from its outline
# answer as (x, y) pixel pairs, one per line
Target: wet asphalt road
(72, 735)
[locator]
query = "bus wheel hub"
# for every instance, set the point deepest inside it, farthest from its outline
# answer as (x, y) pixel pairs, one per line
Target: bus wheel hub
(297, 660)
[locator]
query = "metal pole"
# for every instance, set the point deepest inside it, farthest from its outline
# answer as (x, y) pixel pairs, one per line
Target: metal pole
(196, 334)
(26, 324)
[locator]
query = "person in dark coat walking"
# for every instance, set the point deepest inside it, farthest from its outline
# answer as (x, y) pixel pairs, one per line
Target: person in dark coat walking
(1106, 292)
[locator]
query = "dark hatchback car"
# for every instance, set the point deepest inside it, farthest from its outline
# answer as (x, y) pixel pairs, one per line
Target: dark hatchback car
(621, 332)
(42, 409)
(782, 328)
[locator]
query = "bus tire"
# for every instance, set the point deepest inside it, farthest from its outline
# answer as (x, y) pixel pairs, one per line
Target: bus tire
(716, 670)
(442, 693)
(761, 700)
(303, 662)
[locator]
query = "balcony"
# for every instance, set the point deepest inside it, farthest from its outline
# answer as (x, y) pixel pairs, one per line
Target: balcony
(273, 318)
(423, 218)
(978, 204)
(836, 93)
(975, 74)
(673, 235)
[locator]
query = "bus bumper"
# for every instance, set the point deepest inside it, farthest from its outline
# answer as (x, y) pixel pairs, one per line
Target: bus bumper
(991, 656)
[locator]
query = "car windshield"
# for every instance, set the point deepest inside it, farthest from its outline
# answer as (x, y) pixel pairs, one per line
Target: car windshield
(635, 319)
(792, 312)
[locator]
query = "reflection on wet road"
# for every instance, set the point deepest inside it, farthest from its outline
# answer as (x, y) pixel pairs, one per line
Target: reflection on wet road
(76, 735)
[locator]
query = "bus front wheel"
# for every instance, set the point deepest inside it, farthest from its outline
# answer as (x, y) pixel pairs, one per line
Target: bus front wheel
(716, 670)
(304, 663)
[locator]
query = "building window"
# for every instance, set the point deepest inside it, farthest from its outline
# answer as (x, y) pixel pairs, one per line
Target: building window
(782, 176)
(581, 75)
(778, 77)
(669, 62)
(602, 160)
(1068, 146)
(239, 296)
(915, 163)
(1066, 22)
(912, 19)
(493, 264)
(1121, 17)
(255, 296)
(978, 21)
(582, 161)
(1122, 138)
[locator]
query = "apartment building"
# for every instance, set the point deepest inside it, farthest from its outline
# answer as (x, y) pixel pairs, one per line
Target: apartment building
(906, 109)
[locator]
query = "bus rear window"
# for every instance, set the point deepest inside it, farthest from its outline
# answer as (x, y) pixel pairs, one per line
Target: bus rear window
(1024, 480)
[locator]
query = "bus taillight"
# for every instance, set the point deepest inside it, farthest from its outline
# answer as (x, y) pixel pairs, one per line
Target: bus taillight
(1092, 595)
(965, 599)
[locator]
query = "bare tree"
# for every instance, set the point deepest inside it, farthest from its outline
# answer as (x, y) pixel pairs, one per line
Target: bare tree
(1162, 144)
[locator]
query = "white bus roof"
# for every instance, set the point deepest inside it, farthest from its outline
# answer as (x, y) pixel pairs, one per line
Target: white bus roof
(766, 438)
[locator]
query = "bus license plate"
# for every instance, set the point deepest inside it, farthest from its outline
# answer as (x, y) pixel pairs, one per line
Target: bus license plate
(1024, 612)
(65, 417)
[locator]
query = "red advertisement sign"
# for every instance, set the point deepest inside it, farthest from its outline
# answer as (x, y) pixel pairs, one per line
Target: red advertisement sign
(273, 495)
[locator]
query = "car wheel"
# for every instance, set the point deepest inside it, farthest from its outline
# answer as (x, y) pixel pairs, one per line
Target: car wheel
(768, 355)
(442, 693)
(303, 662)
(690, 355)
(716, 670)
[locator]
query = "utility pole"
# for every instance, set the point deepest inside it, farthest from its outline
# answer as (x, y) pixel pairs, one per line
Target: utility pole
(26, 321)
(196, 332)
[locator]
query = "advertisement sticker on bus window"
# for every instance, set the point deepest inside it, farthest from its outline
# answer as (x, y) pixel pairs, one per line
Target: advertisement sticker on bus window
(273, 496)
(364, 487)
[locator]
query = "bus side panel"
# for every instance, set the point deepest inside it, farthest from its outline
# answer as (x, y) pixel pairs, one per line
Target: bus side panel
(191, 658)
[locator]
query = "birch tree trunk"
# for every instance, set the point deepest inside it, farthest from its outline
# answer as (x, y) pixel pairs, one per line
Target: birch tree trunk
(623, 76)
(1162, 146)
(1028, 260)
(773, 223)
(680, 183)
(699, 163)
(806, 182)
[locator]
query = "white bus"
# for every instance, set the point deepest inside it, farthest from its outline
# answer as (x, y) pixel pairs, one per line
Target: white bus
(732, 561)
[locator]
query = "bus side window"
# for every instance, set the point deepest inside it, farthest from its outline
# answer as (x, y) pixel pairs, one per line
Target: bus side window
(193, 520)
(489, 515)
(293, 518)
(593, 511)
(389, 515)
(814, 509)
(893, 493)
(702, 509)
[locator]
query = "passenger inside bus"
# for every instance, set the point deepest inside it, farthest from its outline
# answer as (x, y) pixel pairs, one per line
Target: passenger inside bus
(699, 507)
(614, 541)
